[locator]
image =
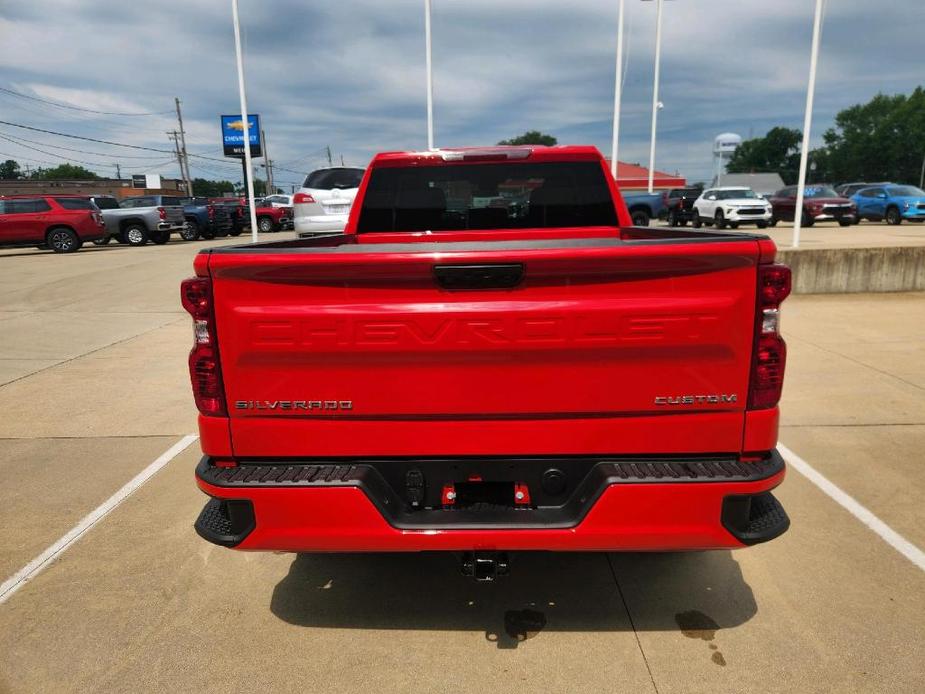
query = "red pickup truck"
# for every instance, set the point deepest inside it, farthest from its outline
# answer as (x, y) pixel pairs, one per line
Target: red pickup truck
(490, 358)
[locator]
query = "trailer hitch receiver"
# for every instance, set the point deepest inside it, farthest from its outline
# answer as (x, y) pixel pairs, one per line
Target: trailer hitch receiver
(485, 566)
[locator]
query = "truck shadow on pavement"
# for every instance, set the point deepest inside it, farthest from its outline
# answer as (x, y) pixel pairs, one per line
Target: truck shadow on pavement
(696, 592)
(45, 251)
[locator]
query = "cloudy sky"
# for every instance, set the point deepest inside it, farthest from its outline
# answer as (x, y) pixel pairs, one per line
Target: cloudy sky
(350, 74)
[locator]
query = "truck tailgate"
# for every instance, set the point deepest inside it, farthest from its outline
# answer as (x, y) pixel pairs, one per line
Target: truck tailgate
(604, 346)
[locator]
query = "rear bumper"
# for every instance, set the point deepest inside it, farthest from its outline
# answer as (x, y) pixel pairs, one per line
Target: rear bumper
(626, 505)
(319, 223)
(746, 218)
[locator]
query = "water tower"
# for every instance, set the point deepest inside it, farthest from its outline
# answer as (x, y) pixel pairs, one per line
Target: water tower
(723, 147)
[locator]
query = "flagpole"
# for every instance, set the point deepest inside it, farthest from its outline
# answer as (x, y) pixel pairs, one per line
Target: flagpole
(245, 120)
(807, 124)
(618, 92)
(658, 58)
(430, 77)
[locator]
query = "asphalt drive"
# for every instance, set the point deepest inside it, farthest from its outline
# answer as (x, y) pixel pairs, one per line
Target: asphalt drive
(93, 388)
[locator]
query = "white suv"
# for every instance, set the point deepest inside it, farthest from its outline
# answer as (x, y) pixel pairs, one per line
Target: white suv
(323, 203)
(731, 206)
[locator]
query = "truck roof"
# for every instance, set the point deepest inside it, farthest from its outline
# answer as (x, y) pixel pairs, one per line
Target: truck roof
(453, 155)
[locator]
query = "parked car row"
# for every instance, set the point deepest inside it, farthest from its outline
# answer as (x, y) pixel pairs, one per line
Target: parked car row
(846, 204)
(63, 223)
(735, 205)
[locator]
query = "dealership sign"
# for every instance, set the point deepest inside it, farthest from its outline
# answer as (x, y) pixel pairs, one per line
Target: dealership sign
(233, 135)
(146, 181)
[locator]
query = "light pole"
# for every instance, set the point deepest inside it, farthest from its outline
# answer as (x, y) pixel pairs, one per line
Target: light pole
(430, 77)
(617, 92)
(655, 101)
(245, 121)
(807, 124)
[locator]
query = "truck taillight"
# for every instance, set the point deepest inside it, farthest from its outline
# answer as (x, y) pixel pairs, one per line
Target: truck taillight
(210, 209)
(770, 351)
(204, 365)
(302, 199)
(162, 213)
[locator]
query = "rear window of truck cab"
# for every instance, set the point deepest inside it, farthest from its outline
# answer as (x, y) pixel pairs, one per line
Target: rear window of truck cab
(486, 196)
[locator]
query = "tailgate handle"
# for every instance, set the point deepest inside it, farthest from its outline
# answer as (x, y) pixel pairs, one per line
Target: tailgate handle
(498, 276)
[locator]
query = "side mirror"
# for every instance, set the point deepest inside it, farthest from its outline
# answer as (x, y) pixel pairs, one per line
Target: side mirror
(711, 197)
(881, 195)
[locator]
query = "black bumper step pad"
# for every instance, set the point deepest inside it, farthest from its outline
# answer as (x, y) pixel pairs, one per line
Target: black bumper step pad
(755, 518)
(263, 475)
(225, 522)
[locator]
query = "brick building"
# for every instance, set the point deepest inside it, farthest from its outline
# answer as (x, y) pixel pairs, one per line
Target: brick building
(107, 186)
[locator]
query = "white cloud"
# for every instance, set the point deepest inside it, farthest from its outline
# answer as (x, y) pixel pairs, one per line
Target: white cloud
(351, 74)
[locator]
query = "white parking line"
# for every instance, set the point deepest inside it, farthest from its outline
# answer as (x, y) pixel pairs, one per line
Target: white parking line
(846, 501)
(37, 565)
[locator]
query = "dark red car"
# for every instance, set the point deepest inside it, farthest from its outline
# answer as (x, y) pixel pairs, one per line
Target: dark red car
(270, 218)
(59, 222)
(820, 204)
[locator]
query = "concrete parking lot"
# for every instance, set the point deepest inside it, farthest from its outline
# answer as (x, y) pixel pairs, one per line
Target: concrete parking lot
(94, 387)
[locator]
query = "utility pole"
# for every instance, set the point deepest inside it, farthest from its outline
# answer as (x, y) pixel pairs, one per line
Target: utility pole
(328, 150)
(269, 164)
(184, 164)
(342, 160)
(175, 136)
(118, 171)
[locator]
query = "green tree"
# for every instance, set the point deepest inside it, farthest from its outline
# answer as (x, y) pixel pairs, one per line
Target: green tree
(777, 152)
(531, 137)
(9, 170)
(882, 140)
(211, 189)
(65, 172)
(260, 187)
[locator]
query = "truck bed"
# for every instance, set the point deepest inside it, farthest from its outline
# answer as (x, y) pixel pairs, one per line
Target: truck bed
(334, 347)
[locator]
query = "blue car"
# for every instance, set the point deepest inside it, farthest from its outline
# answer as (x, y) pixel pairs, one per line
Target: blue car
(894, 203)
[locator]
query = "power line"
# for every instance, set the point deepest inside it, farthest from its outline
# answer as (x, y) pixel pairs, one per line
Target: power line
(78, 108)
(104, 142)
(19, 157)
(53, 154)
(223, 162)
(71, 149)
